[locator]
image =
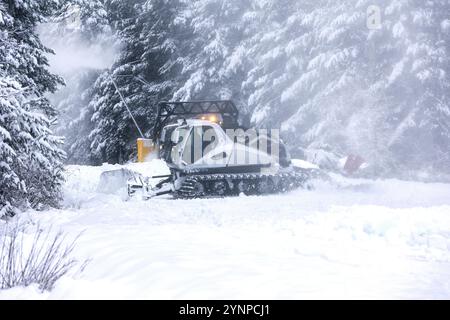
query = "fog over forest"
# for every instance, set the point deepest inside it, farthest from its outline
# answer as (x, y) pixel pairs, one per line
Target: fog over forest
(338, 77)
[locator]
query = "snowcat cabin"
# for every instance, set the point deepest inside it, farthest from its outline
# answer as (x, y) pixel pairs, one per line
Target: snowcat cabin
(171, 114)
(202, 134)
(191, 141)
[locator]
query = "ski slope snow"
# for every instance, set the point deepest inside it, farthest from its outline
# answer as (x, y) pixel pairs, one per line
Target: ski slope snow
(346, 239)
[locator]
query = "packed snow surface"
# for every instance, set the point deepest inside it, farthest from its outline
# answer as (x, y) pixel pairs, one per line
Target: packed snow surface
(345, 239)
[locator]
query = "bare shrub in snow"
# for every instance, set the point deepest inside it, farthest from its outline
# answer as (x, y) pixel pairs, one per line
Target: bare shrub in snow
(42, 260)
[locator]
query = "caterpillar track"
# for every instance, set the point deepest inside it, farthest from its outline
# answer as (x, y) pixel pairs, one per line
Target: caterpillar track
(221, 185)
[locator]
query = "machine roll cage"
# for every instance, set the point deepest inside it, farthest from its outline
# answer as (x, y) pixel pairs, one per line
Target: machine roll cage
(171, 111)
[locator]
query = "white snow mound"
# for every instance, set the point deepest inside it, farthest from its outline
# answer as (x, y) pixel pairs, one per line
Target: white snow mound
(355, 239)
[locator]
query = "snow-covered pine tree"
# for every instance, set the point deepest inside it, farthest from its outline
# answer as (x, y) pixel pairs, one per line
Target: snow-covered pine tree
(93, 19)
(30, 155)
(114, 133)
(80, 33)
(144, 73)
(75, 109)
(416, 43)
(12, 185)
(279, 46)
(303, 78)
(218, 62)
(337, 87)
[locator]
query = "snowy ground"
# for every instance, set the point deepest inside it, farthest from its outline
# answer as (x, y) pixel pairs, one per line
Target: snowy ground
(355, 239)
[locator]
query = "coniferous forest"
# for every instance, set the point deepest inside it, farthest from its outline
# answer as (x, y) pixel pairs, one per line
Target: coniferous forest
(334, 82)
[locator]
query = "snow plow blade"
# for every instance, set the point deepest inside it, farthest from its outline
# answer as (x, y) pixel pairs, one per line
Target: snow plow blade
(147, 188)
(113, 181)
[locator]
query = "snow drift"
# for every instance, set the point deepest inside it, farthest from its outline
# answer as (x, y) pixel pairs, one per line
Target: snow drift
(349, 239)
